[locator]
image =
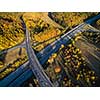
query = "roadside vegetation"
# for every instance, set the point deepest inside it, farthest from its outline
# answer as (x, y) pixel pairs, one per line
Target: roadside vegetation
(71, 19)
(42, 32)
(67, 67)
(11, 61)
(11, 30)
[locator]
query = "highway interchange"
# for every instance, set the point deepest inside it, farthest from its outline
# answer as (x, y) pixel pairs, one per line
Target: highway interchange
(35, 62)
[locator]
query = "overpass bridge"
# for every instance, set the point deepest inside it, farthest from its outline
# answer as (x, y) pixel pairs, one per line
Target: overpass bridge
(23, 73)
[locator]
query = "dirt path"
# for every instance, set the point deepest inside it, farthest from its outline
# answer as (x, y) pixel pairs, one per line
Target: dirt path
(44, 16)
(47, 19)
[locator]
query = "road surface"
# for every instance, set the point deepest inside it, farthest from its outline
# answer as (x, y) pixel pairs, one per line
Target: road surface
(35, 65)
(44, 55)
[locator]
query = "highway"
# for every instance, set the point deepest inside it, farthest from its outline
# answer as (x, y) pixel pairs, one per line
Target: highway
(53, 47)
(46, 52)
(35, 65)
(43, 56)
(11, 77)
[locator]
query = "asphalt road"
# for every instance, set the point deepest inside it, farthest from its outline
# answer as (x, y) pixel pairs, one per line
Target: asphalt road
(45, 53)
(35, 65)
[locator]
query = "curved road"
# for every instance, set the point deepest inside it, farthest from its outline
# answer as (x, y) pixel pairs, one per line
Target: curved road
(43, 80)
(35, 65)
(22, 75)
